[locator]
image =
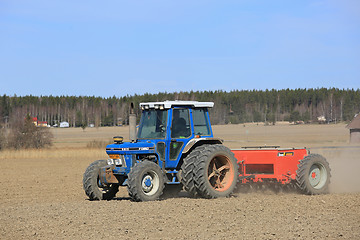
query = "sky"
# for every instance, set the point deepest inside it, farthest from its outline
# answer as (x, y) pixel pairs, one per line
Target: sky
(118, 48)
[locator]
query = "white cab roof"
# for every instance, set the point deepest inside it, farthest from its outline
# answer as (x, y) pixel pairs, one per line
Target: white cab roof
(169, 104)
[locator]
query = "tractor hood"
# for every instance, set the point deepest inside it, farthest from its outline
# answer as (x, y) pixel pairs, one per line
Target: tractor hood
(131, 148)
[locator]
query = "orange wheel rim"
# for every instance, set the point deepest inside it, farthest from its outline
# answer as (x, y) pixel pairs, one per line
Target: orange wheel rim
(220, 173)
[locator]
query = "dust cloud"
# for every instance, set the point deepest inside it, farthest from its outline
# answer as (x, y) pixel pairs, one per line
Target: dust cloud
(345, 169)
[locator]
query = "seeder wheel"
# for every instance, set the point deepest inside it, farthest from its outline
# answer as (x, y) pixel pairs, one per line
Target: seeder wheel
(313, 175)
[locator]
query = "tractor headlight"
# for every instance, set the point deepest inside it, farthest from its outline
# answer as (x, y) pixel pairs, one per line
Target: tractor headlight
(117, 159)
(121, 161)
(118, 162)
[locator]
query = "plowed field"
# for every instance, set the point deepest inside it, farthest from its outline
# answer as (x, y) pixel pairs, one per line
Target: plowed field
(41, 195)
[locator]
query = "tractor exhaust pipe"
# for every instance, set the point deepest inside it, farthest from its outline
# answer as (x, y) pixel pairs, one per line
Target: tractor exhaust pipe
(132, 124)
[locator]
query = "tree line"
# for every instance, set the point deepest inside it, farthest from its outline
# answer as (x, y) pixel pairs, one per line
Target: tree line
(237, 106)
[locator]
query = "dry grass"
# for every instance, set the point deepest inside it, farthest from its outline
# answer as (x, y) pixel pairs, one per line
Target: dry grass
(52, 153)
(77, 138)
(284, 135)
(72, 142)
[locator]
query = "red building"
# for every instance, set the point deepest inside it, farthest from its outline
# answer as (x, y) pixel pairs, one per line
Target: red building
(38, 123)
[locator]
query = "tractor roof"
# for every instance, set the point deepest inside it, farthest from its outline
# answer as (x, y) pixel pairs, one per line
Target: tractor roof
(169, 104)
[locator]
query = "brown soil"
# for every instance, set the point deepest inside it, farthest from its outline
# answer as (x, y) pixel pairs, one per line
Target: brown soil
(41, 197)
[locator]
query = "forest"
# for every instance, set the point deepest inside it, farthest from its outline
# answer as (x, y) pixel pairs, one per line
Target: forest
(237, 106)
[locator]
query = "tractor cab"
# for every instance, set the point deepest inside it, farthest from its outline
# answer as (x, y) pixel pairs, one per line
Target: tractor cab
(171, 125)
(166, 133)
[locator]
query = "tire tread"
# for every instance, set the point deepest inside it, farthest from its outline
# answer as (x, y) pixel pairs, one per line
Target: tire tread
(90, 183)
(302, 174)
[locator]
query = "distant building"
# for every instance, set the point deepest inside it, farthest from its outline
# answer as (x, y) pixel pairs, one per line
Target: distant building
(321, 119)
(64, 125)
(34, 121)
(119, 122)
(42, 124)
(38, 123)
(354, 127)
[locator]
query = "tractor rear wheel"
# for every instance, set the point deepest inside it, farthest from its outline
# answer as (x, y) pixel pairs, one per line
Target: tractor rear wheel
(215, 171)
(187, 170)
(92, 186)
(145, 181)
(313, 175)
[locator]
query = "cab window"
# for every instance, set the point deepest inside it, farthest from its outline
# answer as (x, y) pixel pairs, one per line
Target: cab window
(152, 124)
(201, 123)
(180, 124)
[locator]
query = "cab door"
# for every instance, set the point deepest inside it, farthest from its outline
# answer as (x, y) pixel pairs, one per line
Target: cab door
(180, 134)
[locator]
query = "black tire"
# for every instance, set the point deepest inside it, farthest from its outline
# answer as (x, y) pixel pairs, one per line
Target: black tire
(313, 175)
(215, 172)
(145, 181)
(91, 183)
(187, 170)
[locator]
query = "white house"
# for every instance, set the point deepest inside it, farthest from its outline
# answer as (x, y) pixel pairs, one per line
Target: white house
(64, 124)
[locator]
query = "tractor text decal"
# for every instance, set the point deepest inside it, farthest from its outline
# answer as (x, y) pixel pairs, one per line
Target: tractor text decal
(285, 154)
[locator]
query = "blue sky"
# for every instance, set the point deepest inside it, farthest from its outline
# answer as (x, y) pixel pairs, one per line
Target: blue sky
(107, 48)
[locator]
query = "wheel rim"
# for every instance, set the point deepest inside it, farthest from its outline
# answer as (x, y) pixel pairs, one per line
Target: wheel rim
(220, 173)
(150, 183)
(317, 176)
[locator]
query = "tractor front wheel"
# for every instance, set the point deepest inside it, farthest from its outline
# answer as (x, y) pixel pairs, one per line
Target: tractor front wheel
(145, 181)
(92, 186)
(313, 175)
(215, 172)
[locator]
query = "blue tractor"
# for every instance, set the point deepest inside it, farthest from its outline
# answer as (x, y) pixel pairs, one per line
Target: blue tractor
(174, 148)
